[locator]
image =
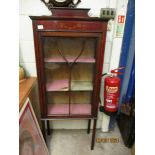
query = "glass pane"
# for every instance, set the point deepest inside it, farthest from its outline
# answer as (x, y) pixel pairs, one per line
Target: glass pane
(82, 77)
(58, 103)
(80, 103)
(67, 49)
(57, 77)
(69, 71)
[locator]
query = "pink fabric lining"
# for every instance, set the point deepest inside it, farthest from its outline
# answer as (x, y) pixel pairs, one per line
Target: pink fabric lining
(80, 109)
(74, 109)
(89, 59)
(57, 85)
(58, 109)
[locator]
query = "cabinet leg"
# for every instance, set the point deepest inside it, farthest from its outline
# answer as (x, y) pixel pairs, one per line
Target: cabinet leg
(89, 124)
(93, 134)
(43, 130)
(48, 127)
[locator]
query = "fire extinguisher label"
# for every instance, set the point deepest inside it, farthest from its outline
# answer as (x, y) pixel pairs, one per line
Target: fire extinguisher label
(111, 101)
(111, 93)
(111, 89)
(110, 104)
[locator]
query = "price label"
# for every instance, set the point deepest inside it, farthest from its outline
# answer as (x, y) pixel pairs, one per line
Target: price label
(40, 27)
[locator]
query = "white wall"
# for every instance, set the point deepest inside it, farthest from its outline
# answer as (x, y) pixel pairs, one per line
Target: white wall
(26, 44)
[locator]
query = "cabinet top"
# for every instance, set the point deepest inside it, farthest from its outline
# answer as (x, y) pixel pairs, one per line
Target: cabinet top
(69, 14)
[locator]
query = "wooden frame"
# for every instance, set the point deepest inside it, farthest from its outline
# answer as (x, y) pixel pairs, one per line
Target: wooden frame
(41, 68)
(30, 138)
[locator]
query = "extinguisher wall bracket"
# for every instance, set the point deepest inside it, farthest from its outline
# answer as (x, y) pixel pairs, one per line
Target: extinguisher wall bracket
(109, 113)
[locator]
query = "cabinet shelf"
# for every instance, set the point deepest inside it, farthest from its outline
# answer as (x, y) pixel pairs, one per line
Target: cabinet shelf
(58, 85)
(71, 59)
(81, 86)
(80, 108)
(55, 109)
(63, 85)
(75, 109)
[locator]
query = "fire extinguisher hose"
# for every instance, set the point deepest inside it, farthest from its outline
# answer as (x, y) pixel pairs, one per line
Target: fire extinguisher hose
(104, 74)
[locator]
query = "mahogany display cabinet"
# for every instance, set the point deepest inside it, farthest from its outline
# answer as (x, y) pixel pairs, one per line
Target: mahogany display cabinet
(69, 50)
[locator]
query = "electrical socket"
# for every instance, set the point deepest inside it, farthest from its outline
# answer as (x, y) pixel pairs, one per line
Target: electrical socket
(107, 13)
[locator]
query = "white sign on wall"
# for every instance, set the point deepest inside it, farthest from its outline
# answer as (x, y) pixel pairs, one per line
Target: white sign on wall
(120, 26)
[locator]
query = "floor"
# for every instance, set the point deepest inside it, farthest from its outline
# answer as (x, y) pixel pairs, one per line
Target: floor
(77, 142)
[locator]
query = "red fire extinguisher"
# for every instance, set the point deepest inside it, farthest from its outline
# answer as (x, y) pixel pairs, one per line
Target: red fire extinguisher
(111, 91)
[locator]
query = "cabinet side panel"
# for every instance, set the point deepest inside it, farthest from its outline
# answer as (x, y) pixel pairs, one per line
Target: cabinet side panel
(39, 71)
(98, 76)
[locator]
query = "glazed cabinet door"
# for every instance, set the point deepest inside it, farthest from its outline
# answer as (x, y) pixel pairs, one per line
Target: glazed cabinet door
(70, 64)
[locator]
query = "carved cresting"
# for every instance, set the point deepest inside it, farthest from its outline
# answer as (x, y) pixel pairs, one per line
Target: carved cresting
(61, 3)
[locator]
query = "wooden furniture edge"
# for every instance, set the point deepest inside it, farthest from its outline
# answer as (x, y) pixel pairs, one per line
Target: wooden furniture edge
(24, 89)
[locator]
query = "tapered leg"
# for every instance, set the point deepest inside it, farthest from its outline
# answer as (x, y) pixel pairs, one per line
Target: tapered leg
(43, 130)
(89, 124)
(93, 135)
(48, 127)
